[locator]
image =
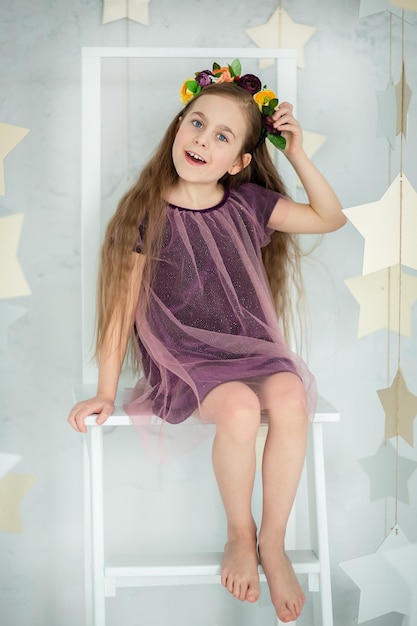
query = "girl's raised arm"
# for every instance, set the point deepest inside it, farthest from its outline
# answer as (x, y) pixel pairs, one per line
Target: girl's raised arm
(323, 213)
(111, 355)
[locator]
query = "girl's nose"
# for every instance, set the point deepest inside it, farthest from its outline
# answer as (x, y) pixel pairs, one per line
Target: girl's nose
(201, 140)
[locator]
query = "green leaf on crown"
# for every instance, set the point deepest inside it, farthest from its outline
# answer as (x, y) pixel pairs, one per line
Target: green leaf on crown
(235, 68)
(277, 140)
(193, 86)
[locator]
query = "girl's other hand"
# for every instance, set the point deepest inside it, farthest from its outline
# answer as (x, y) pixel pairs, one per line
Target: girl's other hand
(102, 406)
(285, 122)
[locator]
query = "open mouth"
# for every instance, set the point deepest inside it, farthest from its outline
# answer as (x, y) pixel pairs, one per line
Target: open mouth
(194, 158)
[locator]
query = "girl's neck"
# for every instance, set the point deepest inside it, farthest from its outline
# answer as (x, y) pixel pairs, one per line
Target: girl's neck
(196, 196)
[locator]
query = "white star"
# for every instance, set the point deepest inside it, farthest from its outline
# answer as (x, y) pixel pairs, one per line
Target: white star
(381, 469)
(404, 561)
(379, 223)
(387, 113)
(382, 588)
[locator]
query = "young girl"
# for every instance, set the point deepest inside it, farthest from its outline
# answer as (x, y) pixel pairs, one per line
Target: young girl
(198, 260)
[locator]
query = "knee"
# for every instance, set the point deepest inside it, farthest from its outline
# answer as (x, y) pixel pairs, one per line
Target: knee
(240, 416)
(287, 398)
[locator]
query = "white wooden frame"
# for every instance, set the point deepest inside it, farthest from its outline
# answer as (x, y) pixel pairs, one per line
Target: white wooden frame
(102, 580)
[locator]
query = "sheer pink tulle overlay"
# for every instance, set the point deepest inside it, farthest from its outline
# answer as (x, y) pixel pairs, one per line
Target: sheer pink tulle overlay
(210, 317)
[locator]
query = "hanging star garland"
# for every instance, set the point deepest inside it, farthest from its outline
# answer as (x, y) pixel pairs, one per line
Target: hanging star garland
(381, 300)
(387, 113)
(381, 469)
(136, 10)
(382, 587)
(400, 407)
(370, 7)
(403, 95)
(10, 136)
(379, 223)
(12, 280)
(281, 32)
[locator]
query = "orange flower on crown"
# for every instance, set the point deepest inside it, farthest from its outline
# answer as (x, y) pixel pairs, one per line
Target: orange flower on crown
(263, 98)
(225, 76)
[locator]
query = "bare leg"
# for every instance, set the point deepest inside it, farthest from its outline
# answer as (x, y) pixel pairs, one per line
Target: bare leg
(235, 410)
(283, 460)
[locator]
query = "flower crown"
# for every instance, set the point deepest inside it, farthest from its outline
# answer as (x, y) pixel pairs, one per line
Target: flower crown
(264, 98)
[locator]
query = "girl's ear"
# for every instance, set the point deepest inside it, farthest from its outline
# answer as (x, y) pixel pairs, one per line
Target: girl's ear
(240, 164)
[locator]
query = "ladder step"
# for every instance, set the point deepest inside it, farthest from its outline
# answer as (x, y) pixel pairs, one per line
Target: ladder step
(187, 569)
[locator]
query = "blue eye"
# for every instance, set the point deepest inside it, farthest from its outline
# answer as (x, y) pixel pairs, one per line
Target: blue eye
(222, 137)
(197, 123)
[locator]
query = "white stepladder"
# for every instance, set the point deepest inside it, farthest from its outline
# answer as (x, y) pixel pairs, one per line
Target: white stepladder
(102, 577)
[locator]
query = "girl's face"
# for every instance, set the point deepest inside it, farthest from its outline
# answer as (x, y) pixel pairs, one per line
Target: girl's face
(209, 140)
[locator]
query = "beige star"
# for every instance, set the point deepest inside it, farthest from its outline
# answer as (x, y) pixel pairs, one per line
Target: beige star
(379, 223)
(403, 96)
(12, 489)
(410, 5)
(9, 138)
(12, 280)
(281, 32)
(400, 407)
(136, 10)
(380, 300)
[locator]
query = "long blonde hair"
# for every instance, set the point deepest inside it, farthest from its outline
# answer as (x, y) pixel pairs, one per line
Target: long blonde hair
(145, 204)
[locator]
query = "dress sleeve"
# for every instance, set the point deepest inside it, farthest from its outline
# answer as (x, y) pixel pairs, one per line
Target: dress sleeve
(261, 202)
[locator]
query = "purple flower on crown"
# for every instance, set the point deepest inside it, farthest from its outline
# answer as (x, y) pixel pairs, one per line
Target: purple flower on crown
(250, 82)
(204, 78)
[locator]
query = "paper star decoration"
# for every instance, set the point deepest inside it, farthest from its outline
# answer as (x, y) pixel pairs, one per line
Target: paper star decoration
(378, 295)
(379, 223)
(403, 97)
(404, 561)
(382, 588)
(136, 10)
(381, 469)
(400, 407)
(9, 313)
(12, 280)
(281, 32)
(370, 7)
(13, 487)
(387, 113)
(9, 138)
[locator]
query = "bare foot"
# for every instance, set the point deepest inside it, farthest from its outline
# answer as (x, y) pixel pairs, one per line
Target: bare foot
(286, 594)
(240, 573)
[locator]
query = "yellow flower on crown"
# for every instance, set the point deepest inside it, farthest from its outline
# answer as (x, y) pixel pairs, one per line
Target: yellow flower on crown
(185, 93)
(263, 97)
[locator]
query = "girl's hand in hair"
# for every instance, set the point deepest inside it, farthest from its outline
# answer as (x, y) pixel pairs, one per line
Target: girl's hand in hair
(100, 405)
(285, 122)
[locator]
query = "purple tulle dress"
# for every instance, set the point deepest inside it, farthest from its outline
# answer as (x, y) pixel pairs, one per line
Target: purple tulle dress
(211, 318)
